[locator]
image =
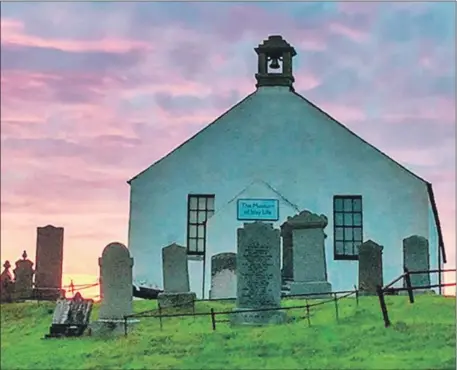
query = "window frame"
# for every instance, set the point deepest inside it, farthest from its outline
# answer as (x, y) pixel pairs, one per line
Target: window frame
(343, 211)
(200, 226)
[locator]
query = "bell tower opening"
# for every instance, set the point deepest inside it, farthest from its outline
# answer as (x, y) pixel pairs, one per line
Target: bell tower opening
(275, 63)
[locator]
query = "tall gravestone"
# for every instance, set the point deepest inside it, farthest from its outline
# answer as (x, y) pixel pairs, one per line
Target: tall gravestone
(223, 276)
(175, 278)
(309, 261)
(6, 284)
(49, 262)
(416, 257)
(23, 278)
(116, 285)
(370, 267)
(287, 253)
(258, 275)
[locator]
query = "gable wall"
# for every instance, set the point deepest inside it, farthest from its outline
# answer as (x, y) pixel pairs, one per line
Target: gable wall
(303, 154)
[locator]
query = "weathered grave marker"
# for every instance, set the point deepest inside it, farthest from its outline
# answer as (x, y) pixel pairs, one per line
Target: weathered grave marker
(23, 278)
(116, 289)
(370, 267)
(308, 254)
(71, 317)
(175, 279)
(6, 284)
(416, 257)
(223, 276)
(258, 275)
(49, 262)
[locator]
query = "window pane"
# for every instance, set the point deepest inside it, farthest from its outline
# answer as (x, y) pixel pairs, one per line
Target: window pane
(193, 203)
(192, 245)
(338, 233)
(201, 217)
(358, 234)
(339, 247)
(201, 231)
(211, 203)
(348, 233)
(348, 219)
(338, 219)
(192, 231)
(356, 247)
(347, 205)
(338, 204)
(348, 248)
(192, 217)
(209, 214)
(201, 245)
(357, 219)
(201, 203)
(357, 205)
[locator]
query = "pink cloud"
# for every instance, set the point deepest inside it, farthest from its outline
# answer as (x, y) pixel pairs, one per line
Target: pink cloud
(343, 113)
(350, 32)
(13, 34)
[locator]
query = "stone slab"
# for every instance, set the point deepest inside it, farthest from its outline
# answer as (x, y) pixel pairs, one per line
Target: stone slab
(298, 287)
(177, 300)
(259, 318)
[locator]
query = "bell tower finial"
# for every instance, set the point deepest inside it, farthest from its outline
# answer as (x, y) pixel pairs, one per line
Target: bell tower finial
(275, 63)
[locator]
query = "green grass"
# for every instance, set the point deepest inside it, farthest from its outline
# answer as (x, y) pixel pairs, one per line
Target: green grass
(422, 337)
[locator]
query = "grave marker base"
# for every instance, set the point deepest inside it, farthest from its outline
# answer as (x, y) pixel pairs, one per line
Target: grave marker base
(239, 317)
(298, 287)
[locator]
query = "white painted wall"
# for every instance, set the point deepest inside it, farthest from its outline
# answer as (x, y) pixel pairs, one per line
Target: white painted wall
(277, 137)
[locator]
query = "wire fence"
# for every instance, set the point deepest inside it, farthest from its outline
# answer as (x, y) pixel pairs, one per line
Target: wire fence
(213, 314)
(406, 276)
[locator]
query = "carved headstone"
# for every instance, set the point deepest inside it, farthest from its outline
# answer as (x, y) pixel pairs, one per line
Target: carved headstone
(416, 257)
(287, 253)
(49, 262)
(370, 267)
(23, 278)
(308, 261)
(175, 279)
(6, 284)
(71, 317)
(223, 276)
(175, 269)
(258, 275)
(116, 289)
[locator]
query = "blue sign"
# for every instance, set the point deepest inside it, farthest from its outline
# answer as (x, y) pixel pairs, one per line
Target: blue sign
(258, 210)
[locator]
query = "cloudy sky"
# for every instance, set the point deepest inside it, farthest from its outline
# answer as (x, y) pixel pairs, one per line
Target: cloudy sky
(92, 93)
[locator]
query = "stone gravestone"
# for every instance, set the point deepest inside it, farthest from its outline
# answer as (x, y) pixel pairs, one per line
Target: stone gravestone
(287, 253)
(23, 278)
(258, 275)
(175, 279)
(71, 317)
(49, 262)
(6, 284)
(370, 267)
(116, 289)
(308, 254)
(223, 276)
(416, 257)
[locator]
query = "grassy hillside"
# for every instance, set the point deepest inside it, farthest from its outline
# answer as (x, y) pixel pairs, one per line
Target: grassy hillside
(422, 337)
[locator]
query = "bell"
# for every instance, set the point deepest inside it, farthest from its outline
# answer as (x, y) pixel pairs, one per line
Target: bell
(275, 63)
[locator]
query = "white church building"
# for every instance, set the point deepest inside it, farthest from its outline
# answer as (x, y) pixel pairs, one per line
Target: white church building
(276, 145)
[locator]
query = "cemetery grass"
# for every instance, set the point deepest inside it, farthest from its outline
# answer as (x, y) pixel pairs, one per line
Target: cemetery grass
(422, 336)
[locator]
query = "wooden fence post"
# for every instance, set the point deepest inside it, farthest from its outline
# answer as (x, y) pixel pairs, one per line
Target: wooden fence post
(408, 285)
(213, 319)
(160, 316)
(336, 307)
(356, 295)
(382, 303)
(125, 325)
(307, 314)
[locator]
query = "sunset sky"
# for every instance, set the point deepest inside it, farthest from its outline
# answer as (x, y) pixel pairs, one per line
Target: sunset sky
(92, 93)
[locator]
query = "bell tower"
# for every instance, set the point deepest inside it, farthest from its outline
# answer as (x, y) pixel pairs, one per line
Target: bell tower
(275, 63)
